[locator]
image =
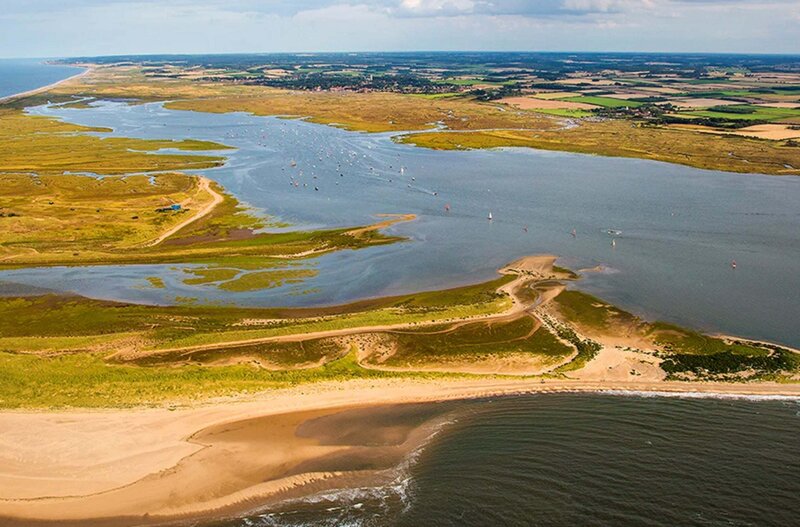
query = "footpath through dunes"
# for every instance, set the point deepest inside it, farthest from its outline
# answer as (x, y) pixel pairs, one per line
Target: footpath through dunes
(152, 466)
(77, 352)
(216, 199)
(535, 326)
(526, 272)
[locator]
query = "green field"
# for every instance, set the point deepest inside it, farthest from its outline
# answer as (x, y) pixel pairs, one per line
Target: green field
(605, 102)
(561, 112)
(746, 112)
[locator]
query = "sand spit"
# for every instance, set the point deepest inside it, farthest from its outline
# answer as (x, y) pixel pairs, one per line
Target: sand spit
(154, 466)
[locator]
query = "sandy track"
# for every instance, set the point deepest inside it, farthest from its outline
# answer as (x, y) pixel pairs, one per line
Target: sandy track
(526, 269)
(216, 199)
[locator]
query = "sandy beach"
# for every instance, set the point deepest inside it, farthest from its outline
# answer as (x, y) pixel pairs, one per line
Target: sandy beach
(153, 466)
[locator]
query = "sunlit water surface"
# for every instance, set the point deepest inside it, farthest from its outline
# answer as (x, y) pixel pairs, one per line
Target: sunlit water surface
(566, 460)
(680, 227)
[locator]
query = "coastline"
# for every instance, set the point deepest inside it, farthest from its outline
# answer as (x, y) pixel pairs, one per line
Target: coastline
(110, 467)
(41, 89)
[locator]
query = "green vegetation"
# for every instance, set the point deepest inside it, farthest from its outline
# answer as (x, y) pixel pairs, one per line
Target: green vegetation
(587, 348)
(44, 322)
(562, 112)
(268, 355)
(156, 282)
(210, 275)
(476, 343)
(730, 366)
(84, 220)
(675, 339)
(48, 146)
(70, 351)
(267, 279)
(746, 112)
(87, 381)
(605, 102)
(590, 312)
(625, 139)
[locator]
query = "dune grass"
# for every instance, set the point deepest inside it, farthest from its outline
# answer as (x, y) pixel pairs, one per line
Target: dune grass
(49, 318)
(478, 342)
(87, 381)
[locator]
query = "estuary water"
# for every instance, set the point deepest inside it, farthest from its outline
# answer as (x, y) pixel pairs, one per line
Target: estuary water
(675, 229)
(587, 460)
(21, 75)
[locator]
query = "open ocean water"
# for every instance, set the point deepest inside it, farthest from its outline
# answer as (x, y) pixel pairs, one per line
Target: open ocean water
(21, 75)
(585, 460)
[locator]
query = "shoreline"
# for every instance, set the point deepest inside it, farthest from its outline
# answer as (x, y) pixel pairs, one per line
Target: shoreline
(41, 89)
(109, 466)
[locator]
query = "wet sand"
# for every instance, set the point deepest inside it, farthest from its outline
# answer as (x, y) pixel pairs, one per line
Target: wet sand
(154, 466)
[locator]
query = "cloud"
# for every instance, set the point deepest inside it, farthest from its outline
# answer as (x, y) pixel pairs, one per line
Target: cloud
(87, 27)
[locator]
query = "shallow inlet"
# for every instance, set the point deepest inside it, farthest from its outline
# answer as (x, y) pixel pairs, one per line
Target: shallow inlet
(680, 227)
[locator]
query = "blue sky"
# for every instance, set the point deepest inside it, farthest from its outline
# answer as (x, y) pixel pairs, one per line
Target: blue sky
(46, 28)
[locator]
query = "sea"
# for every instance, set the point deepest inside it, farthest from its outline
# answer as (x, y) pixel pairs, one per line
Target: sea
(606, 459)
(21, 75)
(629, 459)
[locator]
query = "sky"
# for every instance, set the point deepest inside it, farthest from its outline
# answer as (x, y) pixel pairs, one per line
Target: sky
(62, 28)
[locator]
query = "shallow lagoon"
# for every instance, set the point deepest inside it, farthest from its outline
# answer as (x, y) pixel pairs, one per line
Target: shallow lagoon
(681, 227)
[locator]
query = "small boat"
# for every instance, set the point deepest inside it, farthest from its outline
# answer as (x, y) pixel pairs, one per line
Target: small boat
(490, 216)
(613, 232)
